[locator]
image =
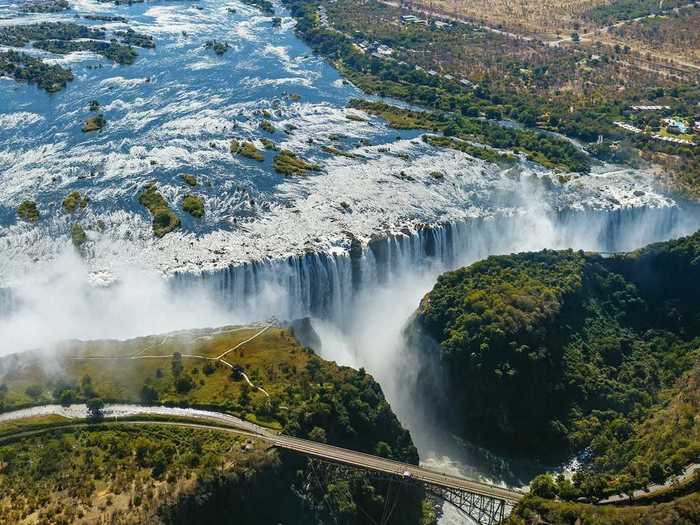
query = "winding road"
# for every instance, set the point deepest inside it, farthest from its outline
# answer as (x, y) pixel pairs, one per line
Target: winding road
(219, 358)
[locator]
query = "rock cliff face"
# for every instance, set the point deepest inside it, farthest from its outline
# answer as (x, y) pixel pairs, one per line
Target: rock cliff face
(541, 352)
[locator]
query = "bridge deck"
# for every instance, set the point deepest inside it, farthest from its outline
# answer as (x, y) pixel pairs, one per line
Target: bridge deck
(387, 466)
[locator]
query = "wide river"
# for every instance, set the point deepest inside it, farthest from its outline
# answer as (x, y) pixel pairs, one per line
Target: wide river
(175, 111)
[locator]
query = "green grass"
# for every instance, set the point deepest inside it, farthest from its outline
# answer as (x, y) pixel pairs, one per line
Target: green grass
(484, 152)
(77, 235)
(32, 423)
(164, 218)
(270, 361)
(399, 118)
(338, 152)
(269, 145)
(266, 125)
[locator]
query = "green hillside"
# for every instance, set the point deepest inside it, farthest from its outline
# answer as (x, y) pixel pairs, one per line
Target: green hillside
(557, 353)
(169, 475)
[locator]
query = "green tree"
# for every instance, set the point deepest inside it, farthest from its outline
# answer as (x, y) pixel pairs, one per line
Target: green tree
(383, 450)
(34, 391)
(149, 395)
(86, 387)
(183, 383)
(176, 364)
(318, 434)
(142, 449)
(95, 406)
(544, 486)
(159, 464)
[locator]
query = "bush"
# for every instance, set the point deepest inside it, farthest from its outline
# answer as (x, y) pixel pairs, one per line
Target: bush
(544, 486)
(183, 384)
(27, 211)
(193, 205)
(95, 406)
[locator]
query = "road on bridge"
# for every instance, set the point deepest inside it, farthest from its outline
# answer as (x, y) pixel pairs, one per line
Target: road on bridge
(388, 466)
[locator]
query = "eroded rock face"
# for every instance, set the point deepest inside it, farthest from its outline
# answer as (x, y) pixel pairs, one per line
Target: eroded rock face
(304, 333)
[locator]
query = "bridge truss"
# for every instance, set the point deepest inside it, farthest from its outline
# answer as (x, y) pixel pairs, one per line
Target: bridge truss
(483, 510)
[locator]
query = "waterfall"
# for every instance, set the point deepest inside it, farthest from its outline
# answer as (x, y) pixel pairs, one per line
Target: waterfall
(324, 285)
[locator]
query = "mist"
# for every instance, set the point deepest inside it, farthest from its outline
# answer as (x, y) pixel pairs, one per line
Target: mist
(63, 299)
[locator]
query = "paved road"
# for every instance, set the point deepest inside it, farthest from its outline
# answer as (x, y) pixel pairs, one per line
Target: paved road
(387, 466)
(308, 448)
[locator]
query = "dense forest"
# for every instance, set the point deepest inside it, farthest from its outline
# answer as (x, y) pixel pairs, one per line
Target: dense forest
(559, 353)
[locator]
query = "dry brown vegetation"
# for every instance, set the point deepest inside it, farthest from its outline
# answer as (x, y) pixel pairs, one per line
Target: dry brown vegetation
(675, 35)
(531, 16)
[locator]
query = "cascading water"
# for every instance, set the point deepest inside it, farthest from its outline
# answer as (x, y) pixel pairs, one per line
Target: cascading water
(325, 285)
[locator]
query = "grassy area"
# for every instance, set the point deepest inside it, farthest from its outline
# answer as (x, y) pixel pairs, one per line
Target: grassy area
(269, 145)
(75, 200)
(338, 152)
(267, 126)
(246, 149)
(32, 423)
(483, 152)
(189, 179)
(399, 118)
(77, 235)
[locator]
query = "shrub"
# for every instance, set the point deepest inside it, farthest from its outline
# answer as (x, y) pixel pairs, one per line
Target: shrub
(27, 211)
(193, 205)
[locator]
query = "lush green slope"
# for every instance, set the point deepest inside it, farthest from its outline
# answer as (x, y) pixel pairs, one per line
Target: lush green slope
(308, 397)
(560, 352)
